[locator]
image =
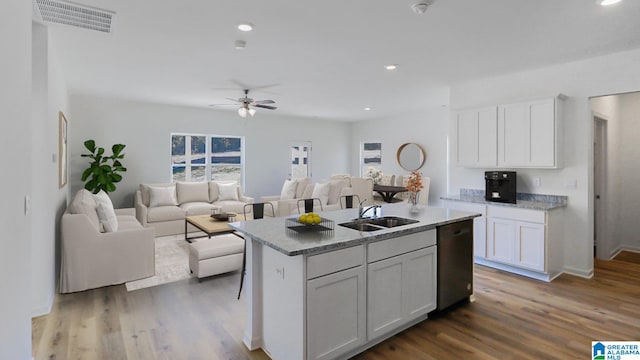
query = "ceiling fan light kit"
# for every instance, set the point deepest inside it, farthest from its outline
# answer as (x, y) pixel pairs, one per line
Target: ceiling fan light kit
(248, 105)
(240, 44)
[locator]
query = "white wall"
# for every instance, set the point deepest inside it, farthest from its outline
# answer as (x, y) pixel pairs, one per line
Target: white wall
(628, 172)
(427, 128)
(48, 202)
(145, 128)
(15, 143)
(608, 107)
(616, 73)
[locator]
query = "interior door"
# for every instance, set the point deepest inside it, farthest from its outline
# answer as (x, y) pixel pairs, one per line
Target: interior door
(300, 160)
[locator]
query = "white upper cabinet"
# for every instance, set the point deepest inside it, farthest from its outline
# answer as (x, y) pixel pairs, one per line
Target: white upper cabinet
(528, 134)
(476, 135)
(518, 135)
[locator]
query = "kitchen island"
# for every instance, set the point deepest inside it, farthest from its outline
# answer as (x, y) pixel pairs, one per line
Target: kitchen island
(331, 294)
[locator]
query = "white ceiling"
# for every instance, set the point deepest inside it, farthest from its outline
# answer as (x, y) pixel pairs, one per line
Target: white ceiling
(326, 58)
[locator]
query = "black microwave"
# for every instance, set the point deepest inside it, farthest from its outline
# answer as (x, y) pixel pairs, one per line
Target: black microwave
(500, 186)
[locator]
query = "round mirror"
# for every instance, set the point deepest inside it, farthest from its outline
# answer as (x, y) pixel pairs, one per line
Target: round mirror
(411, 156)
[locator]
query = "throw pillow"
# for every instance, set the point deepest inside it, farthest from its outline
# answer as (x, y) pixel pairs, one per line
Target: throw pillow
(85, 203)
(321, 191)
(288, 190)
(107, 217)
(335, 190)
(308, 191)
(106, 213)
(228, 192)
(192, 192)
(302, 185)
(162, 196)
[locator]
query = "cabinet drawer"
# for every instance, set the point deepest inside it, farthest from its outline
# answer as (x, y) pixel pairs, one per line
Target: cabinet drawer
(505, 212)
(333, 261)
(400, 245)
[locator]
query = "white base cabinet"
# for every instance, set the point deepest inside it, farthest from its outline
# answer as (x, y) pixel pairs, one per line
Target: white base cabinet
(359, 294)
(400, 289)
(336, 313)
(524, 241)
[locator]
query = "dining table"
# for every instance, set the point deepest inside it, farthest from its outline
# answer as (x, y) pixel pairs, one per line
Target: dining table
(388, 192)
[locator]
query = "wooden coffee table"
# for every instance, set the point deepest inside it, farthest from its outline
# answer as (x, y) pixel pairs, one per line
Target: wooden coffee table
(206, 224)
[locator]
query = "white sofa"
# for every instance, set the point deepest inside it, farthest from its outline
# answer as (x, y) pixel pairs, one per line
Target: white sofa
(93, 258)
(165, 206)
(340, 185)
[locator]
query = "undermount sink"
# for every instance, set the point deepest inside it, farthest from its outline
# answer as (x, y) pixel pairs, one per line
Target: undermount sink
(374, 224)
(360, 225)
(391, 221)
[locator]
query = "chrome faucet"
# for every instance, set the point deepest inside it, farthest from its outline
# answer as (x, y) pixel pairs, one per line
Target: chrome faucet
(362, 211)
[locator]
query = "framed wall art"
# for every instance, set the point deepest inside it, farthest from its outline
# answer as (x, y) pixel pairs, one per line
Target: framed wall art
(62, 150)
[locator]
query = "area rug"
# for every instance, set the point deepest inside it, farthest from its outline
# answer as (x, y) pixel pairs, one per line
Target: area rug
(172, 263)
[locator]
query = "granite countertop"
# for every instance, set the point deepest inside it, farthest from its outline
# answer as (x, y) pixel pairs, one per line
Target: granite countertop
(523, 200)
(273, 232)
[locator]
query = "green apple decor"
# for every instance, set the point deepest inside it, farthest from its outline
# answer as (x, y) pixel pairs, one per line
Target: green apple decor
(103, 170)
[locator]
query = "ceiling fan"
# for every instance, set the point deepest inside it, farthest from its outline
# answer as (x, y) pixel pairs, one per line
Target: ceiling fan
(248, 105)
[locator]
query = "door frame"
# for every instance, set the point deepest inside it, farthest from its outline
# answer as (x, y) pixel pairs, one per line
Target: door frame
(600, 239)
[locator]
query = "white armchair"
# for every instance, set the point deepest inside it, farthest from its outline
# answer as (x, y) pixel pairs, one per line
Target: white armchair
(91, 258)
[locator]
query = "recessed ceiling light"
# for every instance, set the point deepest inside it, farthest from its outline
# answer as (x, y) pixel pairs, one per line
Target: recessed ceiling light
(367, 109)
(391, 67)
(245, 26)
(608, 2)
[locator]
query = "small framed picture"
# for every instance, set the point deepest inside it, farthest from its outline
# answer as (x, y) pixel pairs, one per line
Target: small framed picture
(62, 150)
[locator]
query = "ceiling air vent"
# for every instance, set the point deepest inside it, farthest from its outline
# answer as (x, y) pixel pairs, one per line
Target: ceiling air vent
(78, 15)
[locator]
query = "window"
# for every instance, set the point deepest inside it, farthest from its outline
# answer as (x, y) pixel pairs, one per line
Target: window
(196, 157)
(370, 157)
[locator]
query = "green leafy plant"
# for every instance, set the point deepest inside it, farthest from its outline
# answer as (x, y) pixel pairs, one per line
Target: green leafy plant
(102, 173)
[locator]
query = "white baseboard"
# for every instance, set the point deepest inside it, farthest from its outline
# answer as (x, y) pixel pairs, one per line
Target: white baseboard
(514, 269)
(45, 309)
(615, 252)
(635, 249)
(587, 274)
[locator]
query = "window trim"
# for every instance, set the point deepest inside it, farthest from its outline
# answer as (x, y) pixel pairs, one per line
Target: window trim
(207, 162)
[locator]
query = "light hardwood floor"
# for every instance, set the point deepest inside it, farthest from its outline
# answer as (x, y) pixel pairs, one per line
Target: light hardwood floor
(512, 318)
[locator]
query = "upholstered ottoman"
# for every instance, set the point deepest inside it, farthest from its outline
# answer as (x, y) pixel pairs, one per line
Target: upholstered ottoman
(216, 255)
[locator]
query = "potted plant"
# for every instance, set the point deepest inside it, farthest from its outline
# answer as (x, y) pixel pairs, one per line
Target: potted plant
(103, 171)
(414, 185)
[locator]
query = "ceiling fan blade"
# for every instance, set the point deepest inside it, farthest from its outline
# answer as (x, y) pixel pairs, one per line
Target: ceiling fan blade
(264, 102)
(236, 100)
(265, 107)
(213, 105)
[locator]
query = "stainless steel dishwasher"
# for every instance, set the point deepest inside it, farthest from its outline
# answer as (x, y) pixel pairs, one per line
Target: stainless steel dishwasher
(455, 263)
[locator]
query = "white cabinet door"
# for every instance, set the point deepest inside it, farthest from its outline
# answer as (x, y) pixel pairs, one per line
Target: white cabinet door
(467, 137)
(530, 246)
(420, 282)
(514, 135)
(527, 134)
(488, 137)
(384, 288)
(501, 244)
(400, 288)
(336, 313)
(476, 137)
(543, 133)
